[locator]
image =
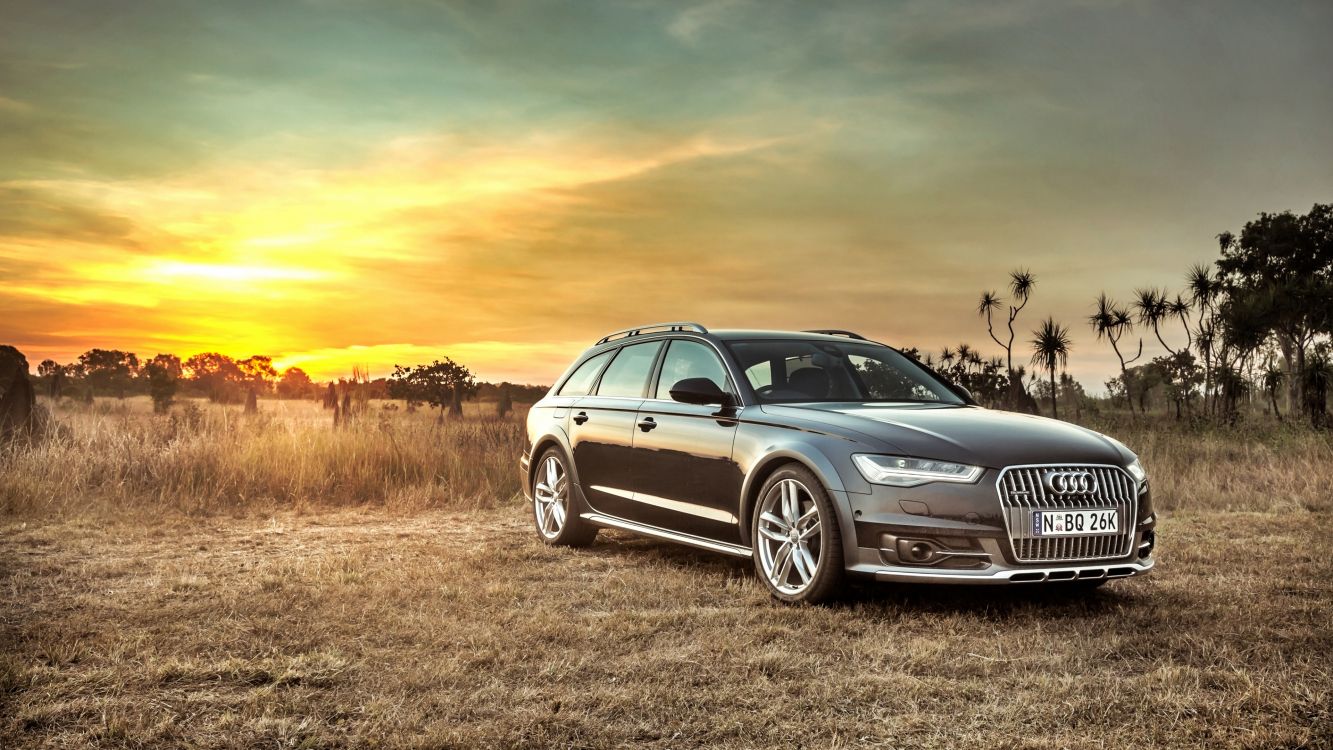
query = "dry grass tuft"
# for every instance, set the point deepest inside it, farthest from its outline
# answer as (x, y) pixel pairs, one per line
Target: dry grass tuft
(204, 459)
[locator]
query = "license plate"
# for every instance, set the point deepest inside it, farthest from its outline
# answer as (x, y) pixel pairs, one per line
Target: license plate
(1075, 522)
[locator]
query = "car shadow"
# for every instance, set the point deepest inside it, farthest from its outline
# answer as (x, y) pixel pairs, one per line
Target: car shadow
(995, 602)
(998, 602)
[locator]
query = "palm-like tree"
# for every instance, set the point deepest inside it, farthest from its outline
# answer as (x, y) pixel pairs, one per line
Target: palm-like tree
(990, 301)
(1204, 289)
(1021, 282)
(964, 355)
(1152, 308)
(1112, 322)
(1180, 309)
(1050, 350)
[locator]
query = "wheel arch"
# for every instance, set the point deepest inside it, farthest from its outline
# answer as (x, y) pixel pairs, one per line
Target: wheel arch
(559, 441)
(815, 462)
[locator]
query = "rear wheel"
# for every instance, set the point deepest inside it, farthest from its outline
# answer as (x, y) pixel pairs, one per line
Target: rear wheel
(553, 509)
(797, 543)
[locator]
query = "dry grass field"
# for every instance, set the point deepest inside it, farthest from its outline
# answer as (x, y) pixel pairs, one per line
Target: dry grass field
(212, 580)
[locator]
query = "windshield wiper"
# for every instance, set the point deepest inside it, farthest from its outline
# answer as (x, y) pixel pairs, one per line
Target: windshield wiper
(911, 401)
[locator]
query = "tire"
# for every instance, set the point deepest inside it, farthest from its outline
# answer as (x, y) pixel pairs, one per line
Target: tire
(555, 513)
(819, 541)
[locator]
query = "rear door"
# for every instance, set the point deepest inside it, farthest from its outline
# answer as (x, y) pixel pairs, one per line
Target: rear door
(684, 476)
(602, 428)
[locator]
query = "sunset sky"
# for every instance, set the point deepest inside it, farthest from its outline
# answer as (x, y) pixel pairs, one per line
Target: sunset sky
(334, 182)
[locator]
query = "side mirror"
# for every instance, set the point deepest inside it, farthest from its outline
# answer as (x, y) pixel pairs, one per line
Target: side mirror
(700, 391)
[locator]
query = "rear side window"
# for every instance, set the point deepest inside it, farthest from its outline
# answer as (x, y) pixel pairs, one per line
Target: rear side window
(581, 381)
(690, 359)
(627, 375)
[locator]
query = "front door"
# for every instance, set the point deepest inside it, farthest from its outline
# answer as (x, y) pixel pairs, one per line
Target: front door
(684, 476)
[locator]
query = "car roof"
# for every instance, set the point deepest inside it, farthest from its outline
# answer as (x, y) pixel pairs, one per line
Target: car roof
(739, 334)
(725, 334)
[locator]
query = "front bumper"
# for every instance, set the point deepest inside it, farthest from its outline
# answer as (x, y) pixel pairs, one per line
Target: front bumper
(955, 534)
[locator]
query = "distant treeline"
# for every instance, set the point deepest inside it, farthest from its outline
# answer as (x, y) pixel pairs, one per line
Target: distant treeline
(219, 378)
(1253, 328)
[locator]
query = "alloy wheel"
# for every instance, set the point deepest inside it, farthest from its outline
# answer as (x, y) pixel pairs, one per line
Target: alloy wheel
(550, 497)
(789, 537)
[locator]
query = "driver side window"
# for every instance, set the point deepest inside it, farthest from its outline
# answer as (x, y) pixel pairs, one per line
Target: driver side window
(690, 359)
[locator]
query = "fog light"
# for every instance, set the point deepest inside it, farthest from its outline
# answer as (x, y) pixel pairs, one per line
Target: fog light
(1145, 547)
(916, 550)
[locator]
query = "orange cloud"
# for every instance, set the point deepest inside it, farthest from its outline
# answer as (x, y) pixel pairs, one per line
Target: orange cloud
(294, 261)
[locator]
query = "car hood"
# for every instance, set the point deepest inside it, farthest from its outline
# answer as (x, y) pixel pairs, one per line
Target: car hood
(966, 434)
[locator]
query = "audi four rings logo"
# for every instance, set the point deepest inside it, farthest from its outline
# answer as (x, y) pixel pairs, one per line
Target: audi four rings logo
(1071, 482)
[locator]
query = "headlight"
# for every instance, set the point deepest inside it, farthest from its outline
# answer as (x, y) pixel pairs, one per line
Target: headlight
(1135, 470)
(909, 472)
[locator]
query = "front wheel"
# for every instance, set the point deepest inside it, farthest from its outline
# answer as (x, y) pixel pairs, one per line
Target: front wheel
(797, 543)
(553, 510)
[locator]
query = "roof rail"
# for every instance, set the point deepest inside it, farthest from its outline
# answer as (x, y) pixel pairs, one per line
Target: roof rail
(652, 328)
(838, 332)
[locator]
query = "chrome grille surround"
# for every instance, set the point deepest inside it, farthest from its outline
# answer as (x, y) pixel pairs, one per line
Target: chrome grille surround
(1021, 490)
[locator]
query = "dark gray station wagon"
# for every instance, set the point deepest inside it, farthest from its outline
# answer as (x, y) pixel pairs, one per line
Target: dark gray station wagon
(820, 455)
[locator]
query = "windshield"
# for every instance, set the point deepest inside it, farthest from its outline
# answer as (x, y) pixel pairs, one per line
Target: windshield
(791, 371)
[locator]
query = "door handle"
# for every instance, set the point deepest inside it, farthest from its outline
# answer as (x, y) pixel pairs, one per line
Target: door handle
(581, 417)
(647, 423)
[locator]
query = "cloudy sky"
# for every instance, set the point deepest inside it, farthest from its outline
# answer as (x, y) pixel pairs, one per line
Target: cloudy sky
(336, 182)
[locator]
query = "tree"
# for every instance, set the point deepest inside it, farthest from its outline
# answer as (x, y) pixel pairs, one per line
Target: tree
(54, 374)
(1050, 349)
(1272, 383)
(1146, 378)
(1072, 392)
(258, 373)
(1281, 268)
(1318, 374)
(1112, 322)
(164, 373)
(217, 376)
(440, 384)
(986, 380)
(108, 371)
(295, 384)
(1153, 309)
(1204, 289)
(1021, 282)
(1242, 333)
(1182, 377)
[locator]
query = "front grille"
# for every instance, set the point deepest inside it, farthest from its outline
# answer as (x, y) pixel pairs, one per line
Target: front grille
(1022, 490)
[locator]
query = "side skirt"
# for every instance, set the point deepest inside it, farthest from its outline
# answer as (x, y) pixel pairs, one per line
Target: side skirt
(670, 536)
